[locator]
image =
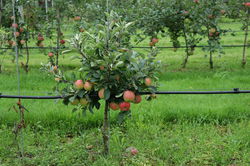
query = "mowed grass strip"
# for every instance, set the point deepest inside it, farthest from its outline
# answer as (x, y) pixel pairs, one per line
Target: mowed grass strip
(170, 130)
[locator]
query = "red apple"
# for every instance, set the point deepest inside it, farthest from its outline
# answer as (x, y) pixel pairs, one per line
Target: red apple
(247, 4)
(114, 106)
(17, 34)
(134, 151)
(50, 54)
(88, 86)
(79, 84)
(55, 68)
(14, 25)
(124, 106)
(101, 93)
(137, 99)
(155, 40)
(21, 30)
(148, 81)
(22, 42)
(62, 41)
(102, 67)
(129, 96)
(40, 38)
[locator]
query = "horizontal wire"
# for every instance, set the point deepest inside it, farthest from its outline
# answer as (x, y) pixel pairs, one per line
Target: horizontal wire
(162, 47)
(234, 91)
(7, 48)
(226, 46)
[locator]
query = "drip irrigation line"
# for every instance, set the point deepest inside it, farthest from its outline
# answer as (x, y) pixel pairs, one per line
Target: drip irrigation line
(234, 91)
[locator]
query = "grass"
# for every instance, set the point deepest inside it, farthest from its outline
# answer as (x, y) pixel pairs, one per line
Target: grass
(171, 130)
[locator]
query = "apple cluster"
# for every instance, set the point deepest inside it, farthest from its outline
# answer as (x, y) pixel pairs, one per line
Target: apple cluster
(213, 32)
(19, 36)
(153, 42)
(122, 103)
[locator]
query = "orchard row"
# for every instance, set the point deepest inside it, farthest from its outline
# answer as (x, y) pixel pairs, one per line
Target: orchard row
(193, 20)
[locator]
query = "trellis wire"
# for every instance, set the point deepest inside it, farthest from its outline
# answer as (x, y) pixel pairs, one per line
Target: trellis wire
(163, 47)
(160, 47)
(7, 48)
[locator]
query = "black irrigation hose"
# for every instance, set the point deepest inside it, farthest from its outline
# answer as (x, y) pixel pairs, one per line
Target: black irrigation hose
(234, 91)
(160, 47)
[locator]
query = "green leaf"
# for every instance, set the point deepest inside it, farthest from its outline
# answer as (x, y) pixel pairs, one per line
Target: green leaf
(66, 51)
(91, 106)
(81, 93)
(97, 105)
(106, 94)
(119, 64)
(66, 101)
(74, 110)
(73, 76)
(84, 111)
(74, 57)
(119, 95)
(71, 99)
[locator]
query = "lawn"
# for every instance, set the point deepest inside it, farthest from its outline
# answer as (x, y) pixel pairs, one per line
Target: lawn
(170, 130)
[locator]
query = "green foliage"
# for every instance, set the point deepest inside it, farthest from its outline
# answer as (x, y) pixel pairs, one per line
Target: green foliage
(109, 62)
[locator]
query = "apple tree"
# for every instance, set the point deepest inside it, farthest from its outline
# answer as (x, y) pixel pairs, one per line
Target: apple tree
(210, 19)
(111, 71)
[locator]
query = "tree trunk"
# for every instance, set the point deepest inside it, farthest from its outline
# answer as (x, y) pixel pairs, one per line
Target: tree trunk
(187, 48)
(58, 36)
(211, 60)
(244, 57)
(105, 130)
(184, 64)
(28, 56)
(1, 11)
